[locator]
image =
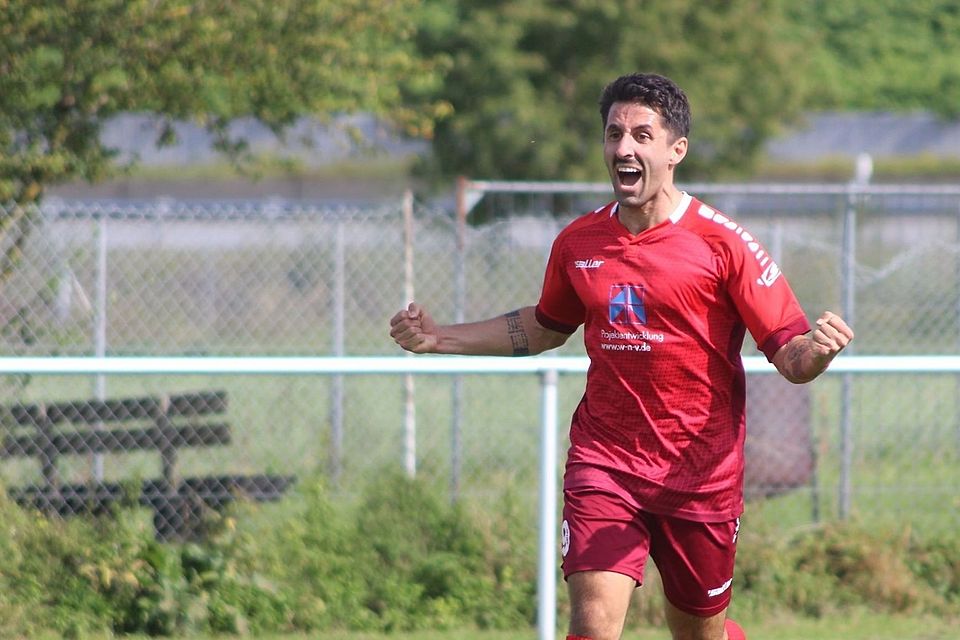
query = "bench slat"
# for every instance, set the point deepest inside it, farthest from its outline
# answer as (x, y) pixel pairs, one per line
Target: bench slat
(214, 491)
(258, 487)
(182, 405)
(117, 440)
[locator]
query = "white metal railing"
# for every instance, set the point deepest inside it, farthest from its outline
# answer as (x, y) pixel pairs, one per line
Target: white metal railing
(302, 365)
(548, 367)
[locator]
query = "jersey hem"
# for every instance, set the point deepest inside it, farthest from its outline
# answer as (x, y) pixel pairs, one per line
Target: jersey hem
(583, 474)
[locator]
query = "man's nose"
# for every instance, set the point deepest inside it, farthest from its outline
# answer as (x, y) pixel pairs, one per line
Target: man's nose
(625, 151)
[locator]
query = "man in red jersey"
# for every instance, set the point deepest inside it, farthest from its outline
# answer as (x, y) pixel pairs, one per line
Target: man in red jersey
(665, 288)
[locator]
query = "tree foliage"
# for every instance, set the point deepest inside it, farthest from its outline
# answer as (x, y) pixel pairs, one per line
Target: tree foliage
(66, 66)
(882, 54)
(527, 75)
(514, 83)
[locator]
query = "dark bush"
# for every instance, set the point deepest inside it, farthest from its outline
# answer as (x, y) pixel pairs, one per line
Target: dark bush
(400, 557)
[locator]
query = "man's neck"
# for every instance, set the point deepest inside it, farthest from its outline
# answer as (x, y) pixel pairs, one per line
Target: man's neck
(652, 212)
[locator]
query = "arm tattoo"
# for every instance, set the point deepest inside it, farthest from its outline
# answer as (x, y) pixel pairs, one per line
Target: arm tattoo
(800, 362)
(794, 354)
(518, 337)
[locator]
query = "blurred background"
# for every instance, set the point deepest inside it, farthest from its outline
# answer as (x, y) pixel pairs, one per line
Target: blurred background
(258, 178)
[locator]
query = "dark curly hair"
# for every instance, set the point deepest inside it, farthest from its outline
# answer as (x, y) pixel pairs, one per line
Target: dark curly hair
(655, 91)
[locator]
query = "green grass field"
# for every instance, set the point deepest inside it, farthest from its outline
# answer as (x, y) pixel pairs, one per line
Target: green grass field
(862, 625)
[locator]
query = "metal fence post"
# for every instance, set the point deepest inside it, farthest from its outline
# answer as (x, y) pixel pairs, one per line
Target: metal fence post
(855, 198)
(337, 382)
(100, 329)
(957, 325)
(846, 428)
(547, 579)
(410, 410)
(459, 314)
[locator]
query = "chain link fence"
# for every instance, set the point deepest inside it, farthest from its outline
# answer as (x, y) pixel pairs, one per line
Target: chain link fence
(278, 278)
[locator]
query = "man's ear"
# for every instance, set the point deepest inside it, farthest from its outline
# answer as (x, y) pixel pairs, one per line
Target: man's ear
(678, 151)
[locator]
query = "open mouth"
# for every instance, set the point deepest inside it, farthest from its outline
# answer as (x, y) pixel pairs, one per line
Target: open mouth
(628, 176)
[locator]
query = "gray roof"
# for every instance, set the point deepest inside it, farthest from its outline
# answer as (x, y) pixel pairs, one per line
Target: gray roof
(310, 141)
(880, 134)
(826, 134)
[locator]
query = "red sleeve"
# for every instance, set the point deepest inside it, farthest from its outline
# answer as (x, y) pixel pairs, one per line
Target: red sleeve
(560, 308)
(782, 336)
(761, 293)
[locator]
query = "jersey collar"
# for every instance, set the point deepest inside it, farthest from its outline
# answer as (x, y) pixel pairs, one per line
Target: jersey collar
(681, 209)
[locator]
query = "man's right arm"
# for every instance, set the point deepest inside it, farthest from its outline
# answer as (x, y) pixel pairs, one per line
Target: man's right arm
(516, 333)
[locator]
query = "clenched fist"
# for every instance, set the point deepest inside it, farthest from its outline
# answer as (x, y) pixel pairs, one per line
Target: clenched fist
(414, 329)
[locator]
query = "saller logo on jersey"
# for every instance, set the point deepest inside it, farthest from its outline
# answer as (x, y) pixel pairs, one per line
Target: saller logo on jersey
(770, 269)
(587, 264)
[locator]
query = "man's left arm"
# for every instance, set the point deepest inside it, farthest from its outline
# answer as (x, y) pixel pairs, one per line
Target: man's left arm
(805, 357)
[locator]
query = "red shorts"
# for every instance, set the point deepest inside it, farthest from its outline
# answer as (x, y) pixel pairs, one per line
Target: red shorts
(603, 531)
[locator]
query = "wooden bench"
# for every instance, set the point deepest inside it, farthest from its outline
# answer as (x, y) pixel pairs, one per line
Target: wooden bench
(48, 432)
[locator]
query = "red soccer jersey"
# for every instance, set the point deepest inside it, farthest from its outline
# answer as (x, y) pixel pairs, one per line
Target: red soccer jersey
(664, 315)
